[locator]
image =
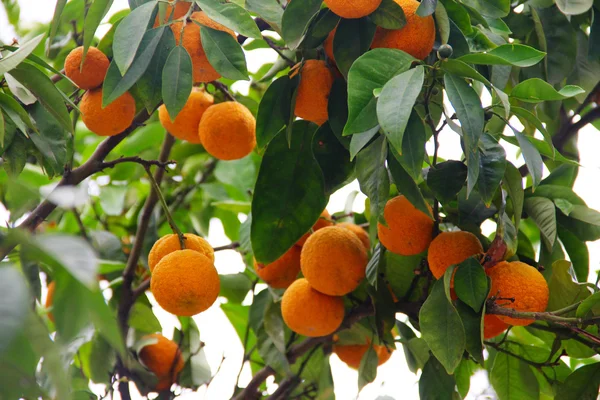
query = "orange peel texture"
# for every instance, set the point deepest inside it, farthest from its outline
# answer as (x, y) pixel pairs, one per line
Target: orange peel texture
(170, 243)
(316, 80)
(323, 221)
(92, 74)
(164, 359)
(108, 121)
(449, 248)
(282, 272)
(352, 8)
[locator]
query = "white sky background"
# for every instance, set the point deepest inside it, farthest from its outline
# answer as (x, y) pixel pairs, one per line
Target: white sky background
(393, 379)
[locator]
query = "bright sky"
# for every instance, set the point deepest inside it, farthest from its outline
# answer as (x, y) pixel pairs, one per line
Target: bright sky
(393, 379)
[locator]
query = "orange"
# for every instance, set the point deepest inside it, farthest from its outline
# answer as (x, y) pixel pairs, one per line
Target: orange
(362, 235)
(334, 261)
(50, 299)
(323, 221)
(415, 38)
(203, 71)
(164, 359)
(521, 282)
(170, 243)
(228, 131)
(450, 248)
(353, 354)
(185, 282)
(493, 326)
(181, 8)
(409, 230)
(92, 74)
(328, 45)
(108, 121)
(185, 125)
(316, 80)
(311, 313)
(352, 8)
(282, 272)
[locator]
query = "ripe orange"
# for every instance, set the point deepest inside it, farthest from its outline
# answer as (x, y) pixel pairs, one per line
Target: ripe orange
(282, 272)
(521, 282)
(50, 299)
(228, 131)
(323, 221)
(181, 8)
(185, 125)
(164, 359)
(316, 80)
(450, 248)
(170, 243)
(415, 38)
(94, 67)
(353, 354)
(362, 235)
(203, 71)
(409, 230)
(311, 313)
(352, 8)
(334, 261)
(328, 45)
(185, 282)
(493, 326)
(108, 121)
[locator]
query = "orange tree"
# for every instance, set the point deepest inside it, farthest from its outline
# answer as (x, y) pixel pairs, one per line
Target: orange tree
(110, 144)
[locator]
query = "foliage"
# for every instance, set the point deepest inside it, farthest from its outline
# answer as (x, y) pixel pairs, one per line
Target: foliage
(84, 211)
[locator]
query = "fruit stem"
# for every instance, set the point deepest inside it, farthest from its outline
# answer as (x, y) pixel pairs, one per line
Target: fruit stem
(165, 207)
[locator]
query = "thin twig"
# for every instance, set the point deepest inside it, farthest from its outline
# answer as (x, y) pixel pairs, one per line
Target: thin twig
(493, 308)
(223, 89)
(230, 246)
(82, 230)
(137, 160)
(279, 50)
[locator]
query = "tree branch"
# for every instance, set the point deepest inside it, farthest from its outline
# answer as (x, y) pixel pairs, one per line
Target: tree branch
(137, 160)
(223, 89)
(493, 308)
(230, 246)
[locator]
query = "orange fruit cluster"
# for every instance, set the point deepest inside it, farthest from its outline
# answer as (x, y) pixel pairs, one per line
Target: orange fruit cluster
(163, 358)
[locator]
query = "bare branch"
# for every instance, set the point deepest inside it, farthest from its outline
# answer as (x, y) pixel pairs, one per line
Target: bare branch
(137, 160)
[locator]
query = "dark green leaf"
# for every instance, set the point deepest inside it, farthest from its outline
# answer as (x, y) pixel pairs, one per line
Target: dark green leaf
(12, 60)
(291, 178)
(471, 284)
(274, 326)
(490, 8)
(543, 213)
(176, 80)
(369, 72)
(442, 328)
(353, 37)
(492, 166)
(60, 6)
(588, 305)
(224, 53)
(15, 156)
(513, 182)
(513, 379)
(508, 54)
(564, 291)
(232, 16)
(269, 10)
(427, 7)
(16, 113)
(446, 179)
(14, 303)
(94, 16)
(578, 254)
(396, 102)
(373, 266)
(460, 68)
(442, 22)
(532, 119)
(582, 384)
(44, 90)
(435, 383)
(367, 370)
(273, 111)
(407, 186)
(389, 15)
(373, 176)
(532, 156)
(295, 21)
(413, 147)
(337, 108)
(321, 25)
(129, 35)
(51, 140)
(235, 287)
(472, 322)
(535, 90)
(333, 159)
(360, 140)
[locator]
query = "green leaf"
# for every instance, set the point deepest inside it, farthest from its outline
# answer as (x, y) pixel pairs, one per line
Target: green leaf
(543, 213)
(508, 54)
(468, 108)
(513, 182)
(460, 68)
(564, 291)
(177, 80)
(396, 103)
(94, 16)
(353, 38)
(535, 90)
(60, 6)
(16, 113)
(44, 90)
(534, 120)
(296, 19)
(116, 84)
(582, 384)
(269, 10)
(492, 166)
(369, 72)
(532, 156)
(129, 35)
(232, 16)
(359, 140)
(374, 265)
(578, 254)
(274, 326)
(15, 156)
(142, 318)
(407, 186)
(427, 7)
(273, 111)
(52, 141)
(446, 179)
(588, 305)
(435, 383)
(224, 53)
(333, 158)
(235, 287)
(291, 178)
(471, 284)
(512, 379)
(373, 176)
(472, 322)
(574, 7)
(319, 28)
(12, 60)
(389, 15)
(442, 22)
(197, 371)
(367, 370)
(442, 328)
(413, 147)
(14, 302)
(490, 8)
